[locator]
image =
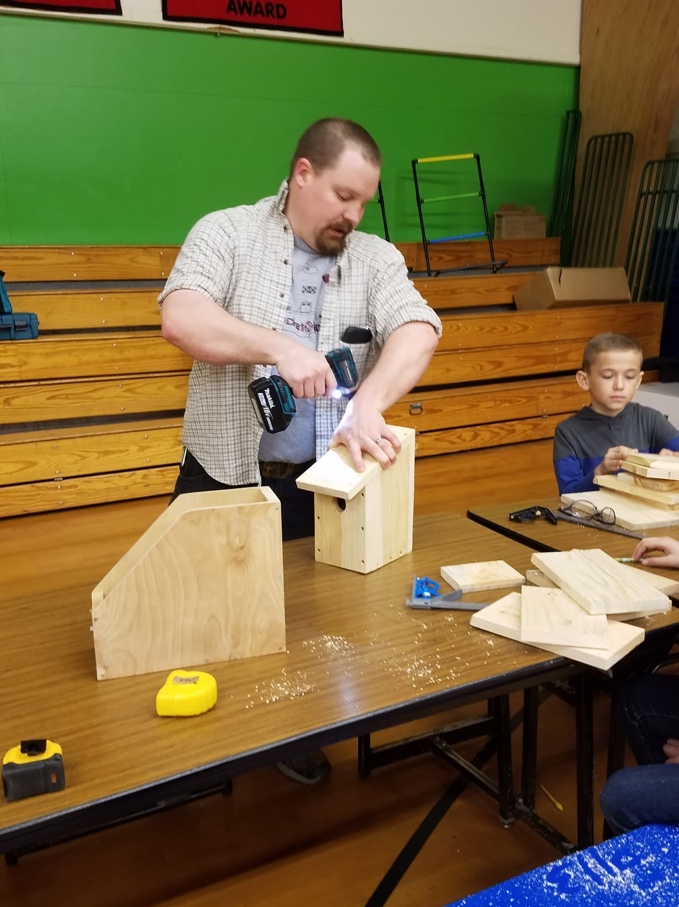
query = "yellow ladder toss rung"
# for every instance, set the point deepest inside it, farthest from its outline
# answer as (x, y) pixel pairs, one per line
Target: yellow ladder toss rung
(448, 157)
(446, 198)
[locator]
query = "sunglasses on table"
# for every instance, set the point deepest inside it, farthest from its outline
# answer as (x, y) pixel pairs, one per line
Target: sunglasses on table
(585, 510)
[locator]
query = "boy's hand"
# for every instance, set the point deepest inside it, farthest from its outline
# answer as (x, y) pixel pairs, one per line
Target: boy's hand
(668, 453)
(613, 460)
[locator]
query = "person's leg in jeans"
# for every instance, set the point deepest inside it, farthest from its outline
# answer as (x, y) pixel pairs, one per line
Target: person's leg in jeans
(192, 477)
(648, 709)
(641, 795)
(297, 508)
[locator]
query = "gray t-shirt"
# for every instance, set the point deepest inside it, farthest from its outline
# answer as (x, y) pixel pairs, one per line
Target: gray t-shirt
(310, 270)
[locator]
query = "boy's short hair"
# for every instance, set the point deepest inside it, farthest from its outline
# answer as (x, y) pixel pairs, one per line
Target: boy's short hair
(323, 142)
(607, 343)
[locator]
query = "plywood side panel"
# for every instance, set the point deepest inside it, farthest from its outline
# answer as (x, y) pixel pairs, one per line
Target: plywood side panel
(203, 584)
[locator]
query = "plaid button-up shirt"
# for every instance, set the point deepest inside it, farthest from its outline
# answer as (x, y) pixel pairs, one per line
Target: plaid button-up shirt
(241, 258)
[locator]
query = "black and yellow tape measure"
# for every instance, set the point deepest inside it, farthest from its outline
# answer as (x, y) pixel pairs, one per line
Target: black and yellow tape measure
(33, 767)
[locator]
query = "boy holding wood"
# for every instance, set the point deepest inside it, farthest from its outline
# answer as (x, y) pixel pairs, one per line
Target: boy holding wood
(597, 439)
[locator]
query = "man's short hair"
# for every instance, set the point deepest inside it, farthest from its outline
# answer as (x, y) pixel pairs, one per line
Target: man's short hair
(325, 140)
(608, 343)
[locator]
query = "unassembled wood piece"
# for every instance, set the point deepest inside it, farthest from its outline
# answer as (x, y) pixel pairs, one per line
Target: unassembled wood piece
(662, 583)
(203, 584)
(629, 513)
(652, 465)
(595, 580)
(655, 484)
(538, 578)
(504, 618)
(364, 520)
(624, 484)
(481, 575)
(665, 584)
(552, 616)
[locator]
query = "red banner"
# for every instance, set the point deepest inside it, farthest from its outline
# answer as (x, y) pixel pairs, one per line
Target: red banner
(106, 7)
(321, 17)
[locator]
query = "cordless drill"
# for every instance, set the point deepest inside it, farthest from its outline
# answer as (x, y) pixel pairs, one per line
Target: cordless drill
(272, 398)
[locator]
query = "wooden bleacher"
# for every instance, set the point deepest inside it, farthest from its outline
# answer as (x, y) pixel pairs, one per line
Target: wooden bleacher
(92, 408)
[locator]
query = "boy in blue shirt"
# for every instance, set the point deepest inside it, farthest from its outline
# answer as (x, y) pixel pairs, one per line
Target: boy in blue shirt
(596, 440)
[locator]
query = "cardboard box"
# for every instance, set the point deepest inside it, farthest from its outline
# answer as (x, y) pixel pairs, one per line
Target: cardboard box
(556, 287)
(515, 222)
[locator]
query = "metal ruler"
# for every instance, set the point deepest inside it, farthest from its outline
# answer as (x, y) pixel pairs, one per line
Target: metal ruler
(595, 524)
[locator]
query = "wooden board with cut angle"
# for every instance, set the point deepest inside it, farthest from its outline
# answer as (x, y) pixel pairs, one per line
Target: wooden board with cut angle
(597, 582)
(504, 618)
(482, 576)
(552, 616)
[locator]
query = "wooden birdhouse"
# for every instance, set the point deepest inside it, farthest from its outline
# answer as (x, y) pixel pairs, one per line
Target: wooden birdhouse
(364, 520)
(203, 584)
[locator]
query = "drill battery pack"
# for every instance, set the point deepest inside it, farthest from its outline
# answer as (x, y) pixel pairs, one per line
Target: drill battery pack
(33, 767)
(273, 402)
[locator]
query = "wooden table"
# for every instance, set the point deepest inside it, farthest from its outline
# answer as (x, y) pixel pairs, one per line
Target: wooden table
(357, 661)
(542, 535)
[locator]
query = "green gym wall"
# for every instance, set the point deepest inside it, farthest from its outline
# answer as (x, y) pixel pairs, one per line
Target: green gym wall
(114, 134)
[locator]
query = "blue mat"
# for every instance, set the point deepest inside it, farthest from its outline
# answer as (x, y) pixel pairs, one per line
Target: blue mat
(639, 869)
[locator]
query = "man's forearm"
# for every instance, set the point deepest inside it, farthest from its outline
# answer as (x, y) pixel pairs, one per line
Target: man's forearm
(205, 331)
(402, 362)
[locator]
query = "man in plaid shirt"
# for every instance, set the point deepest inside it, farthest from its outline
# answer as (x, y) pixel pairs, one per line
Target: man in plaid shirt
(275, 286)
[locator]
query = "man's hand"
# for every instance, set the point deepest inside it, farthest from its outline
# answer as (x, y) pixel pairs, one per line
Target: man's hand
(613, 460)
(307, 372)
(365, 431)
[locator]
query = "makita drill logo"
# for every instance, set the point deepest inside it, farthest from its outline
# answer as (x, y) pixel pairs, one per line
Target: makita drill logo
(263, 10)
(266, 405)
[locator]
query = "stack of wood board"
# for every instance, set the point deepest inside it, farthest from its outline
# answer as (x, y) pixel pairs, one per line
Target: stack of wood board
(504, 618)
(662, 583)
(647, 477)
(652, 466)
(628, 483)
(599, 583)
(631, 513)
(568, 611)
